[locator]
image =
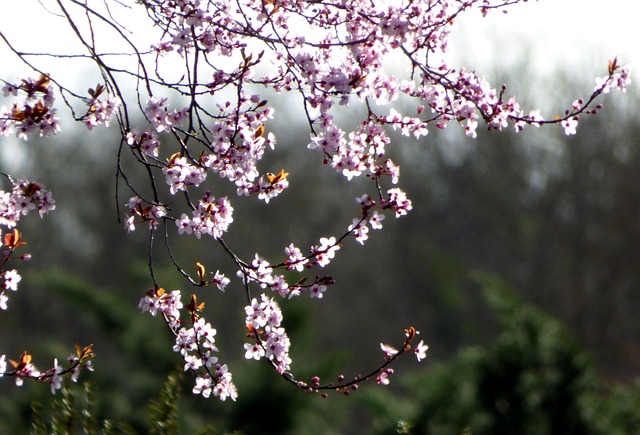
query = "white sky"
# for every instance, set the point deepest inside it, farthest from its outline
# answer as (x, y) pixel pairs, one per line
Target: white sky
(547, 35)
(558, 34)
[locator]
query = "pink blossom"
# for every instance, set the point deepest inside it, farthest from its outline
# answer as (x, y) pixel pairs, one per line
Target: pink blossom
(375, 220)
(360, 230)
(295, 259)
(570, 125)
(383, 377)
(203, 386)
(316, 291)
(326, 251)
(55, 380)
(11, 279)
(421, 350)
(220, 281)
(254, 351)
(389, 351)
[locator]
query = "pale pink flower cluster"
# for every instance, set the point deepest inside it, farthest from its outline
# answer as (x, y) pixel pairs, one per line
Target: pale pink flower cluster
(78, 365)
(196, 344)
(619, 79)
(147, 142)
(261, 272)
(397, 201)
(35, 115)
(238, 142)
(161, 118)
(359, 226)
(364, 150)
(152, 214)
(11, 279)
(25, 196)
(179, 174)
(101, 112)
(211, 217)
(25, 371)
(166, 304)
(323, 253)
(359, 230)
(219, 383)
(272, 342)
(295, 260)
(267, 189)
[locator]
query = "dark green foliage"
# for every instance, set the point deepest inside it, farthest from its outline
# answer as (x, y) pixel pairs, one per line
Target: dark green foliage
(533, 380)
(162, 414)
(72, 411)
(618, 415)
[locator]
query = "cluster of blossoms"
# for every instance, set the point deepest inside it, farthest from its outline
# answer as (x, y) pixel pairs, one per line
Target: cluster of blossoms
(147, 142)
(212, 217)
(261, 272)
(195, 344)
(25, 369)
(264, 320)
(617, 79)
(161, 118)
(237, 143)
(100, 112)
(168, 305)
(10, 280)
(35, 114)
(152, 214)
(24, 197)
(180, 173)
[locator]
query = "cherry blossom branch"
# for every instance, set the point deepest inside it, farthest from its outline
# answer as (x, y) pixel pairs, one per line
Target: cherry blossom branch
(24, 197)
(213, 119)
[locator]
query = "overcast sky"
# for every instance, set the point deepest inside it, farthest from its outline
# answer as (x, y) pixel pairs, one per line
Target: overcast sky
(556, 32)
(559, 33)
